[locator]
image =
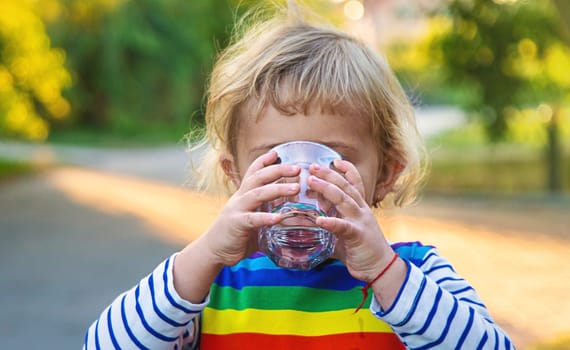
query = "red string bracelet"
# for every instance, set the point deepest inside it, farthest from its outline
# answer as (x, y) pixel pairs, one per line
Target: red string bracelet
(367, 286)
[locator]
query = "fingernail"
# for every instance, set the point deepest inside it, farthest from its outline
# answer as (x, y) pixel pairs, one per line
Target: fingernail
(316, 167)
(293, 188)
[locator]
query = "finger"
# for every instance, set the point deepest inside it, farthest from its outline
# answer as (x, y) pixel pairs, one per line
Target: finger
(351, 174)
(341, 182)
(254, 198)
(261, 162)
(345, 204)
(269, 174)
(255, 220)
(340, 227)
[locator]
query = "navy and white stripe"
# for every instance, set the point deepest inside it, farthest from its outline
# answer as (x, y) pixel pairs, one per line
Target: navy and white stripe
(149, 316)
(436, 308)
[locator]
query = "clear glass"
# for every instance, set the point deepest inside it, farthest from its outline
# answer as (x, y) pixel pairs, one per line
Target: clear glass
(297, 242)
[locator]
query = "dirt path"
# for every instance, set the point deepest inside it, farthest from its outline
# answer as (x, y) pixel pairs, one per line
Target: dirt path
(523, 278)
(73, 239)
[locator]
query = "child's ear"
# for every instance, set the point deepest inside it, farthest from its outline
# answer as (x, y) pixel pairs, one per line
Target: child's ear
(229, 166)
(387, 177)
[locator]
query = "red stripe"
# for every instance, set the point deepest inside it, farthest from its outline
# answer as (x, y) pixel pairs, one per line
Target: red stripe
(249, 341)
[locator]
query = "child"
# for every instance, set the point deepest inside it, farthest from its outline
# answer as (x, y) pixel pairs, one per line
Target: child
(287, 80)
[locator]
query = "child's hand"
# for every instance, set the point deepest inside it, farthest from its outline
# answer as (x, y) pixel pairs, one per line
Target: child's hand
(361, 244)
(233, 236)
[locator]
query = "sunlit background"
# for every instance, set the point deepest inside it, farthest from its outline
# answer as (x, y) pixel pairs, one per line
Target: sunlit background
(490, 80)
(115, 71)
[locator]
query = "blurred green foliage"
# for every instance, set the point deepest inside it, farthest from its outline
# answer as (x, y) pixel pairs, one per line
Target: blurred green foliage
(139, 64)
(121, 66)
(134, 69)
(32, 73)
(510, 53)
(497, 59)
(506, 63)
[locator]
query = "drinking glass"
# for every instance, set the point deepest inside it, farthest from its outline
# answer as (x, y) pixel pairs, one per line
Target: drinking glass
(296, 241)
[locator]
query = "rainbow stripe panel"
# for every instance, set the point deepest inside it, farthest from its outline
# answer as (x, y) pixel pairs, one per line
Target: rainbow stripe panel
(257, 305)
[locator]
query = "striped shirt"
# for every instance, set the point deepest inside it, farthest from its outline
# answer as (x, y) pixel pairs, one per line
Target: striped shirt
(256, 304)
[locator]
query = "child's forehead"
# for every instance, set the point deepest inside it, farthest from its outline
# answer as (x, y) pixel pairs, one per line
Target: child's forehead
(273, 126)
(256, 109)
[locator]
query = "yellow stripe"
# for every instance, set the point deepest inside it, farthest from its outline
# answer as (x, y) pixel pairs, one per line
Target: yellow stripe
(290, 322)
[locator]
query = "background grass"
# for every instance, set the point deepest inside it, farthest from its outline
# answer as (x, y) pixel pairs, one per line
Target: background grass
(496, 171)
(463, 162)
(11, 169)
(148, 135)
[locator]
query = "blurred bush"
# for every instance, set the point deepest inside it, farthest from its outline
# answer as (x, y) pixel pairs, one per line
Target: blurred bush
(121, 66)
(504, 61)
(32, 73)
(138, 64)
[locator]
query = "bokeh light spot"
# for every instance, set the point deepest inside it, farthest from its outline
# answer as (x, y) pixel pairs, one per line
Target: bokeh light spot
(354, 10)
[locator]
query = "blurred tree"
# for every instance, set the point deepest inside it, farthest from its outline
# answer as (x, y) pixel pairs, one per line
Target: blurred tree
(512, 54)
(138, 64)
(32, 74)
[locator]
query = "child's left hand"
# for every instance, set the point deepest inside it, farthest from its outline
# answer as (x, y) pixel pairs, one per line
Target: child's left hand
(361, 243)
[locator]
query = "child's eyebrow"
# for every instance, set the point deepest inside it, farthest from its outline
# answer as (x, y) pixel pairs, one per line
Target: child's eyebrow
(263, 147)
(340, 146)
(334, 145)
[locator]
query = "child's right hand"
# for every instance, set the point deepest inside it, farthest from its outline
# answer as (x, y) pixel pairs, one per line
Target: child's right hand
(233, 235)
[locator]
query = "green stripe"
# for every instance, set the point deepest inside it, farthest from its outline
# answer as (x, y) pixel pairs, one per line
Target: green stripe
(285, 298)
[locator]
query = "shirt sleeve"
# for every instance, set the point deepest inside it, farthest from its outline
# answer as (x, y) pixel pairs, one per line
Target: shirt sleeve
(151, 315)
(437, 308)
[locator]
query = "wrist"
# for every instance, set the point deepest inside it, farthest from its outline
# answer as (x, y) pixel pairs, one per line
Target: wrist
(381, 262)
(194, 270)
(387, 287)
(377, 277)
(208, 256)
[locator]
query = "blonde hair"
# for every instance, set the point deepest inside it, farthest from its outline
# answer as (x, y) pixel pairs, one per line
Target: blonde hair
(293, 65)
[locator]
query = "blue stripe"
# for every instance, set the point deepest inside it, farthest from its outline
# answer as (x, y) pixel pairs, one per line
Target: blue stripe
(157, 310)
(168, 296)
(430, 255)
(111, 332)
(462, 290)
(451, 279)
(439, 267)
(415, 303)
(331, 276)
(86, 339)
(144, 322)
(412, 251)
(466, 330)
(467, 300)
(446, 329)
(483, 341)
(262, 262)
(430, 315)
(395, 302)
(97, 346)
(127, 328)
(507, 342)
(496, 338)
